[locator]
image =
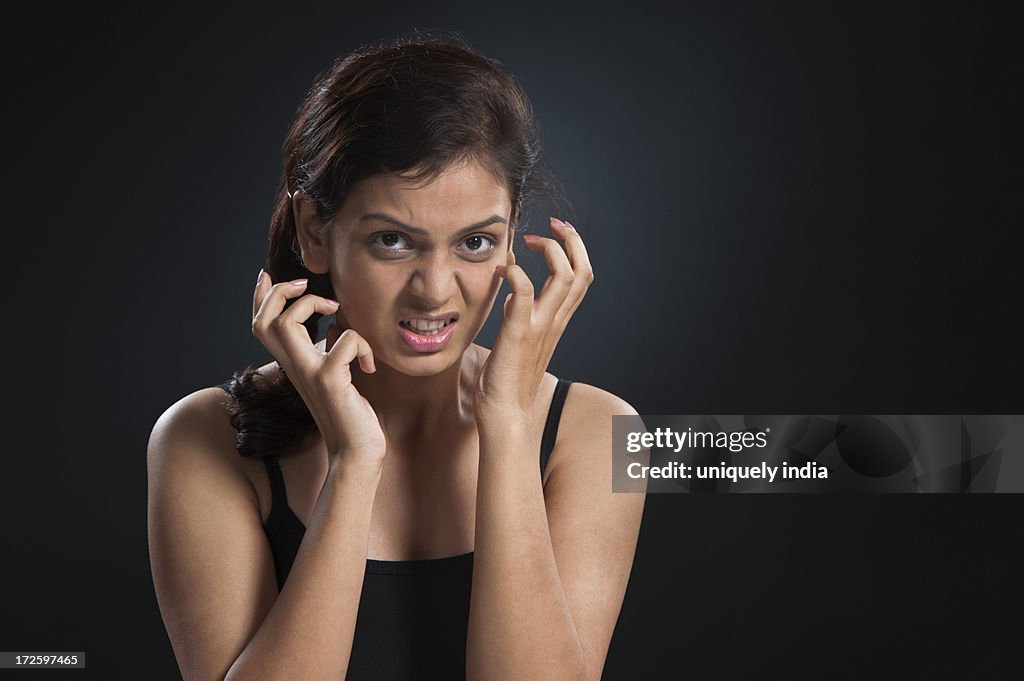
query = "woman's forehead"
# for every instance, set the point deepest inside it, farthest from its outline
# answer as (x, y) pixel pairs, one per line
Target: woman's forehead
(459, 196)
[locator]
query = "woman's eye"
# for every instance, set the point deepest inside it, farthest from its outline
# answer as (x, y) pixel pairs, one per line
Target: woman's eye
(389, 241)
(480, 244)
(393, 243)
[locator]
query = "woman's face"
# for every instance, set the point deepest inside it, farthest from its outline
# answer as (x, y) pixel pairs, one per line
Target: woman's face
(405, 259)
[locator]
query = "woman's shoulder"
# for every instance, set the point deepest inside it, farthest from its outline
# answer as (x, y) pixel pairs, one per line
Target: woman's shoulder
(587, 412)
(589, 403)
(206, 412)
(199, 421)
(194, 434)
(584, 439)
(211, 407)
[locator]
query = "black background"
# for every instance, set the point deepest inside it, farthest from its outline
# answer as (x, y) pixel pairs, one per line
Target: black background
(790, 208)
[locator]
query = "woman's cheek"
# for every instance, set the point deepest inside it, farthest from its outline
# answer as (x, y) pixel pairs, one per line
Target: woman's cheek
(479, 283)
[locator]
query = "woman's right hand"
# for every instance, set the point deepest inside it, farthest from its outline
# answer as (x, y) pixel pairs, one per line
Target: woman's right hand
(347, 422)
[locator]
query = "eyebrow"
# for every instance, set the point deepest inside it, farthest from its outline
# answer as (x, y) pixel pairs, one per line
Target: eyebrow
(423, 232)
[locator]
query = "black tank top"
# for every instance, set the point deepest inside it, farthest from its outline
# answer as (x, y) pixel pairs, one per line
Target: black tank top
(413, 615)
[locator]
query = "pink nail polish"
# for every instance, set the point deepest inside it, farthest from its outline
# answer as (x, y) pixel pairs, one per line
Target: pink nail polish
(259, 277)
(557, 221)
(298, 282)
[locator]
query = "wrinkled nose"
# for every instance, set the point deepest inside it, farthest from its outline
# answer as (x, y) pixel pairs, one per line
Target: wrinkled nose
(434, 282)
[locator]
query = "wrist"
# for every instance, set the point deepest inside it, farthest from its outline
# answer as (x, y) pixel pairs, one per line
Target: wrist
(352, 466)
(505, 430)
(499, 414)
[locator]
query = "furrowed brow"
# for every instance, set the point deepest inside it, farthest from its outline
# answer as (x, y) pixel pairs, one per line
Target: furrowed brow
(423, 232)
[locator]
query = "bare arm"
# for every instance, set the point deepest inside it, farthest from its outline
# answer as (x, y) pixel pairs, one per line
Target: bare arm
(212, 566)
(551, 563)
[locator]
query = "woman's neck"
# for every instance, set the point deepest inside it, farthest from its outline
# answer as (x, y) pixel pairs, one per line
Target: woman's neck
(414, 409)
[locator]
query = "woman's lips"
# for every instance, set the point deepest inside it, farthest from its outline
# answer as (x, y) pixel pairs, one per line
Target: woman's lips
(424, 343)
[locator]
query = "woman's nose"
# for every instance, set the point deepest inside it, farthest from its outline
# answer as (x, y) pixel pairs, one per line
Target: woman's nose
(434, 281)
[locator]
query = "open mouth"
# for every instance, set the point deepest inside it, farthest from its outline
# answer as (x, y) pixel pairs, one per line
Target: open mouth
(427, 335)
(423, 327)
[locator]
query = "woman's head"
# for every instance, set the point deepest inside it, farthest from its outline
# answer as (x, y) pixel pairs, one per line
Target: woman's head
(426, 133)
(403, 257)
(427, 138)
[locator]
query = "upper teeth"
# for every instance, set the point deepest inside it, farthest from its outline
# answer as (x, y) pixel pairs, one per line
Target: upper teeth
(426, 324)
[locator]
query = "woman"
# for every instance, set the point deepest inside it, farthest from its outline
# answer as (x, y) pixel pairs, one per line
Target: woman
(396, 501)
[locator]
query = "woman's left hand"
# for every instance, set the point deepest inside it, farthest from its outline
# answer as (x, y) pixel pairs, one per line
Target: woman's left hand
(510, 378)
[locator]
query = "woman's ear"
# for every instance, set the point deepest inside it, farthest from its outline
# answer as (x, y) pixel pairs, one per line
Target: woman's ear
(311, 235)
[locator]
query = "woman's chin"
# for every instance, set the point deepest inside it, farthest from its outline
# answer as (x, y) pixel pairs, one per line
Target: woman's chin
(420, 363)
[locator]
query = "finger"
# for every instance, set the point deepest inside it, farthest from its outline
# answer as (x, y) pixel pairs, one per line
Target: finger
(273, 301)
(309, 304)
(559, 282)
(270, 307)
(583, 272)
(349, 346)
(263, 285)
(575, 250)
(519, 311)
(290, 324)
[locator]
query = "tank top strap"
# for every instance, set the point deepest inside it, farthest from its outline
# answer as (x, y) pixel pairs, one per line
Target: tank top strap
(547, 442)
(279, 499)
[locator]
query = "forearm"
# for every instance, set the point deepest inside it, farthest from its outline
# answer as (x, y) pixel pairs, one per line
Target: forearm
(520, 626)
(308, 632)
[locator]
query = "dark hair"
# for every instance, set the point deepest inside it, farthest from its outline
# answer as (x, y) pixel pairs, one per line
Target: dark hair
(416, 107)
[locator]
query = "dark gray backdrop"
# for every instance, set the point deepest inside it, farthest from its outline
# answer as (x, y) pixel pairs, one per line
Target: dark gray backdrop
(790, 209)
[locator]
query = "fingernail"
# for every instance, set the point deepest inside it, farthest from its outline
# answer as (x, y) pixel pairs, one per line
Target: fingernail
(530, 236)
(557, 221)
(335, 303)
(298, 282)
(259, 277)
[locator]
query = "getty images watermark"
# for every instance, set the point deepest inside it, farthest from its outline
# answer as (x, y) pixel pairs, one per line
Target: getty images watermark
(813, 453)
